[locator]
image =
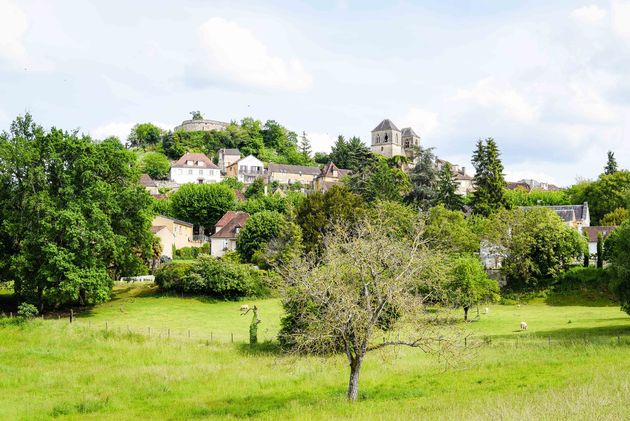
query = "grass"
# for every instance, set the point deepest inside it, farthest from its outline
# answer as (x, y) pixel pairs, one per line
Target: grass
(55, 370)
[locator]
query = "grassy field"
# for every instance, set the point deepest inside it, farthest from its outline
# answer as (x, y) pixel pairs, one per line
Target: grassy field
(571, 364)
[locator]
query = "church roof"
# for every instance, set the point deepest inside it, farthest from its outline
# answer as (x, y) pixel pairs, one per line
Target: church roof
(408, 131)
(386, 124)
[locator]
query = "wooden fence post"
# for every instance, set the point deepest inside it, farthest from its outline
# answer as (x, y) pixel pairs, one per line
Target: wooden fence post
(549, 340)
(71, 315)
(105, 326)
(232, 337)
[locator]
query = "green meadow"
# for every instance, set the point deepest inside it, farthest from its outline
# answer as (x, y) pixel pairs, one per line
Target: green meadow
(145, 355)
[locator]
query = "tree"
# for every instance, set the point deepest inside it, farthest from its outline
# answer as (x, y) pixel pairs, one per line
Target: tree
(376, 180)
(604, 195)
(305, 146)
(321, 158)
(144, 134)
(363, 278)
(202, 204)
(615, 217)
(424, 180)
(74, 216)
(611, 164)
(523, 197)
(259, 230)
(340, 153)
(196, 115)
(398, 161)
(536, 244)
(489, 194)
(618, 253)
(470, 284)
(447, 188)
(358, 154)
(600, 250)
(256, 189)
(449, 230)
(156, 165)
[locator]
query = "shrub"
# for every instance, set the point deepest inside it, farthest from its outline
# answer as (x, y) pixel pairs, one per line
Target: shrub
(26, 311)
(170, 277)
(579, 278)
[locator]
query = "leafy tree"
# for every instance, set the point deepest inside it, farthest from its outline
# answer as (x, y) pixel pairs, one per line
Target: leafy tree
(600, 250)
(611, 164)
(358, 154)
(450, 231)
(398, 161)
(256, 189)
(196, 115)
(202, 204)
(376, 180)
(233, 183)
(305, 146)
(156, 165)
(74, 216)
(364, 276)
(144, 134)
(259, 230)
(604, 195)
(489, 194)
(617, 251)
(616, 217)
(424, 180)
(321, 158)
(524, 197)
(340, 153)
(537, 245)
(470, 284)
(447, 188)
(319, 211)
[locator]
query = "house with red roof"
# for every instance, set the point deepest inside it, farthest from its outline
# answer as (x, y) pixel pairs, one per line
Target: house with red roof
(195, 168)
(226, 231)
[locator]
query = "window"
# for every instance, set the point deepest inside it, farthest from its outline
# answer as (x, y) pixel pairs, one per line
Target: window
(200, 172)
(179, 171)
(190, 172)
(189, 162)
(386, 137)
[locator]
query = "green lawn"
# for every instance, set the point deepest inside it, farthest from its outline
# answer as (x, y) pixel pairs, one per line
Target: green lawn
(52, 369)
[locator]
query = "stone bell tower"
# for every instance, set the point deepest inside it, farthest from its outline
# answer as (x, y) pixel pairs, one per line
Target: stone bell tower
(387, 139)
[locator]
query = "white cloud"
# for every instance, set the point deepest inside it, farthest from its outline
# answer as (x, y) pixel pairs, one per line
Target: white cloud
(321, 142)
(121, 129)
(592, 14)
(620, 13)
(422, 121)
(13, 26)
(232, 53)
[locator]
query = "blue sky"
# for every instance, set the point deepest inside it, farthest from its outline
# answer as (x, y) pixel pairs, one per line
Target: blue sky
(547, 80)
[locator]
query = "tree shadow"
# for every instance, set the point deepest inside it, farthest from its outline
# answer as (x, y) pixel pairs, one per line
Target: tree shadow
(586, 332)
(265, 348)
(586, 298)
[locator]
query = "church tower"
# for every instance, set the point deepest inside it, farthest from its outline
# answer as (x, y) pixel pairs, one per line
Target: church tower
(387, 139)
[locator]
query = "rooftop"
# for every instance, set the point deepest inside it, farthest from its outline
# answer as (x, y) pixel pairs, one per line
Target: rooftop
(230, 223)
(386, 124)
(293, 169)
(195, 158)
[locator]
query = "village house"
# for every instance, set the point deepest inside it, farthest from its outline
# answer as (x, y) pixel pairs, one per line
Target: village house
(226, 230)
(289, 174)
(149, 184)
(227, 157)
(174, 233)
(328, 177)
(195, 168)
(464, 182)
(246, 169)
(592, 233)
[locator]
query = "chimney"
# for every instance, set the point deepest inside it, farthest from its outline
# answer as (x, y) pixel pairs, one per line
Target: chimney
(463, 170)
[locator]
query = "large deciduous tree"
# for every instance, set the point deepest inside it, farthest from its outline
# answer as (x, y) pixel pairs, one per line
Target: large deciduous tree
(617, 252)
(607, 193)
(156, 165)
(376, 180)
(489, 181)
(144, 134)
(202, 204)
(364, 277)
(73, 215)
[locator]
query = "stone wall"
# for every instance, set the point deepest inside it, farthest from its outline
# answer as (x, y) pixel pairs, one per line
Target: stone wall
(201, 125)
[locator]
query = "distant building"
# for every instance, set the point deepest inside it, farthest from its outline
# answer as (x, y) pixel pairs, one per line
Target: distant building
(388, 140)
(328, 177)
(529, 185)
(201, 125)
(246, 169)
(289, 174)
(575, 216)
(593, 232)
(149, 184)
(173, 232)
(195, 168)
(226, 231)
(464, 182)
(227, 157)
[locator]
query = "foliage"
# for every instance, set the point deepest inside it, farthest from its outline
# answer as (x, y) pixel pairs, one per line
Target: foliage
(352, 154)
(580, 278)
(489, 182)
(397, 219)
(537, 245)
(210, 276)
(611, 164)
(424, 180)
(156, 165)
(256, 189)
(187, 253)
(286, 204)
(202, 204)
(447, 188)
(449, 230)
(607, 193)
(283, 247)
(617, 251)
(523, 197)
(319, 210)
(376, 180)
(305, 147)
(615, 217)
(196, 115)
(26, 311)
(144, 134)
(259, 229)
(73, 213)
(470, 285)
(321, 158)
(600, 250)
(233, 183)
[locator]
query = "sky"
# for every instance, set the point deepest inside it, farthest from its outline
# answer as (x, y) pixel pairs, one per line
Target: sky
(549, 81)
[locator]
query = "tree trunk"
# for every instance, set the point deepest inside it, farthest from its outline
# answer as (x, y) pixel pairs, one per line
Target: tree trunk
(353, 384)
(465, 314)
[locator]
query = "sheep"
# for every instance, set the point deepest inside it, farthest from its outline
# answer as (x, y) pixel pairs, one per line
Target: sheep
(523, 326)
(244, 307)
(486, 310)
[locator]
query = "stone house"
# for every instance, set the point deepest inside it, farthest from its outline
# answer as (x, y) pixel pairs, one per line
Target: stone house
(246, 169)
(227, 157)
(174, 232)
(226, 231)
(149, 184)
(289, 174)
(464, 182)
(328, 177)
(195, 168)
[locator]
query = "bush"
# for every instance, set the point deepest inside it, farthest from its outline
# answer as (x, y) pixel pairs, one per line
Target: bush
(26, 311)
(579, 278)
(170, 277)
